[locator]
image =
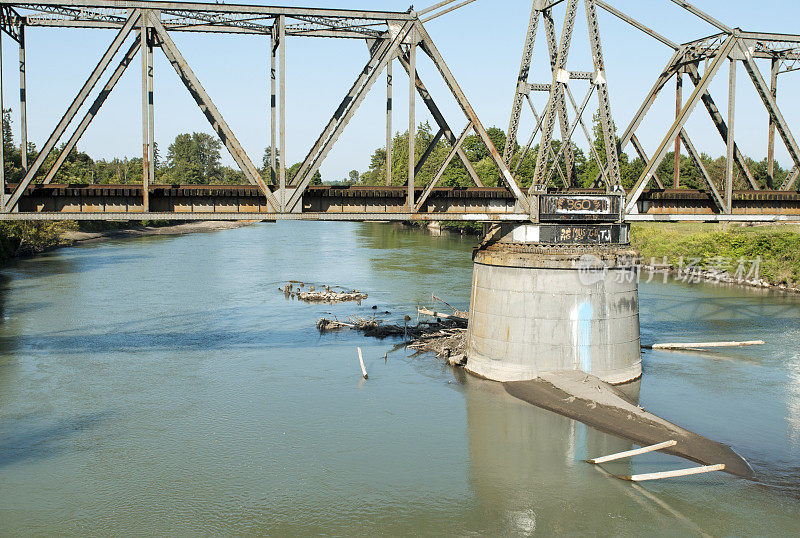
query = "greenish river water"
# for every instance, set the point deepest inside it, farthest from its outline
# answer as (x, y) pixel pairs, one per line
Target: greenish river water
(163, 385)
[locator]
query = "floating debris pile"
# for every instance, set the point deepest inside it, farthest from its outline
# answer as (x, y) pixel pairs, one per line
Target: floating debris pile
(444, 337)
(328, 294)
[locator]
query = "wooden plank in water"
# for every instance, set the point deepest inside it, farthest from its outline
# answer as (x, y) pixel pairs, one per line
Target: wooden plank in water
(704, 345)
(672, 474)
(635, 452)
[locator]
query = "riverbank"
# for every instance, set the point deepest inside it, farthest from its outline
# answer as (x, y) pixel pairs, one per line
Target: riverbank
(25, 239)
(71, 237)
(764, 255)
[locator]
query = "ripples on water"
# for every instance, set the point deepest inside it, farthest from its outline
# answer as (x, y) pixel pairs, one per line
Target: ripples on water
(163, 385)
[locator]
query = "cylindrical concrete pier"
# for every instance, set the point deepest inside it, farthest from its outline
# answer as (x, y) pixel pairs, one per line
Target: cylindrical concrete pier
(539, 308)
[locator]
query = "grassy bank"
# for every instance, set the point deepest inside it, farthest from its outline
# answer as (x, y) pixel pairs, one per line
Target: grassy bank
(778, 247)
(28, 238)
(21, 239)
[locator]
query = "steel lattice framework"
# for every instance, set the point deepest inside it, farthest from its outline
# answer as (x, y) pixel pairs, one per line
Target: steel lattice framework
(389, 35)
(394, 38)
(699, 60)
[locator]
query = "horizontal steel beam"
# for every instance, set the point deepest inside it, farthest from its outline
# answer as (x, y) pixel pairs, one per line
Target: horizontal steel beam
(242, 9)
(349, 217)
(357, 203)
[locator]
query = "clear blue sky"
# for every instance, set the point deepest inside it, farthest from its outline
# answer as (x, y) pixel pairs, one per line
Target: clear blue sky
(482, 44)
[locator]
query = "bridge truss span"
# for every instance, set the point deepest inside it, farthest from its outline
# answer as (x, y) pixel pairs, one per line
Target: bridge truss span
(393, 42)
(144, 26)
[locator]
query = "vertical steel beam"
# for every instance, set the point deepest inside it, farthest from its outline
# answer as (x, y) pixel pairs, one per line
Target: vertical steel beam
(555, 91)
(77, 102)
(698, 162)
(273, 103)
(2, 134)
(382, 52)
(433, 53)
(658, 156)
(722, 128)
(522, 80)
(731, 117)
(563, 119)
(676, 173)
(23, 101)
(412, 119)
(127, 59)
(210, 111)
(438, 117)
(145, 115)
(389, 123)
(151, 128)
(771, 135)
(438, 176)
(604, 103)
(282, 111)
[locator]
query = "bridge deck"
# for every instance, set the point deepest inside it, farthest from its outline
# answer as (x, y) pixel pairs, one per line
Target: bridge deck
(324, 202)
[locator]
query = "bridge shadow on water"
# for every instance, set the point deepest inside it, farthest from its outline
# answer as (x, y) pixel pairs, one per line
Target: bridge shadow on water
(33, 437)
(224, 328)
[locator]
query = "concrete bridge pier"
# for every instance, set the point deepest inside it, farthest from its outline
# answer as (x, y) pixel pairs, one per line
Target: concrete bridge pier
(541, 303)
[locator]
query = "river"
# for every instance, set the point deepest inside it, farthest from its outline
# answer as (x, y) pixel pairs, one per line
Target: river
(163, 385)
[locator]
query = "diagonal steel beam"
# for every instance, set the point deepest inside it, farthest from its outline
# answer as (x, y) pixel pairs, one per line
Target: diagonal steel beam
(643, 155)
(210, 111)
(556, 90)
(440, 120)
(790, 179)
(378, 50)
(629, 133)
(560, 103)
(568, 139)
(375, 66)
(680, 121)
(661, 81)
(539, 120)
(427, 153)
(636, 24)
(769, 101)
(522, 80)
(93, 110)
(703, 15)
(429, 47)
(604, 104)
(76, 104)
(589, 140)
(637, 145)
(722, 127)
(698, 162)
(440, 172)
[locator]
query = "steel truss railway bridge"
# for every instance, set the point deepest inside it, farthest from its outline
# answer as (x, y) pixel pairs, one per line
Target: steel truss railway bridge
(394, 39)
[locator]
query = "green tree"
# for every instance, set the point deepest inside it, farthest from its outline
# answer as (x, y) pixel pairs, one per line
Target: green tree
(194, 159)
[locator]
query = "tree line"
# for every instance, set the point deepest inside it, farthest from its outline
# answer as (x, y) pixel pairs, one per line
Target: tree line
(195, 159)
(191, 159)
(586, 168)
